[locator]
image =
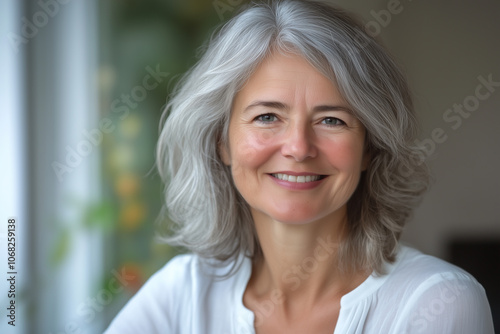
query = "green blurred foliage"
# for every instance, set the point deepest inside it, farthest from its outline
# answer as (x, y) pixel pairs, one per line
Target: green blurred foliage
(61, 247)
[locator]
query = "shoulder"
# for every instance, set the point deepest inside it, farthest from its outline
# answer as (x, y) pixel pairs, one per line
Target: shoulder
(169, 296)
(177, 273)
(181, 269)
(416, 268)
(185, 268)
(153, 306)
(437, 297)
(186, 273)
(415, 273)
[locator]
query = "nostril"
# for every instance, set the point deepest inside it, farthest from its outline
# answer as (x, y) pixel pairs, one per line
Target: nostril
(299, 150)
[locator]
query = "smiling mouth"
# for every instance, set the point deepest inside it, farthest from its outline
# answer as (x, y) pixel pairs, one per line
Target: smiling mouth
(298, 179)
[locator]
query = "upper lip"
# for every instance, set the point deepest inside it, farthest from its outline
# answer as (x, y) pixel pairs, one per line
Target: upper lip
(295, 173)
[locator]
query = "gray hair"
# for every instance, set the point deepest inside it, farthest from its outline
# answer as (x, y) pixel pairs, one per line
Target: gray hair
(207, 214)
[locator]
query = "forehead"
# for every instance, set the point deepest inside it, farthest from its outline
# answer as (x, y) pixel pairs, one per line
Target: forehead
(287, 76)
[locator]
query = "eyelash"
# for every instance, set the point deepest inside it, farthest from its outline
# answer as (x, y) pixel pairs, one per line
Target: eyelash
(338, 120)
(341, 122)
(260, 120)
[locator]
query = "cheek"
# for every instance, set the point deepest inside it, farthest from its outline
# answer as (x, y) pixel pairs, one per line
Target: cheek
(345, 153)
(250, 150)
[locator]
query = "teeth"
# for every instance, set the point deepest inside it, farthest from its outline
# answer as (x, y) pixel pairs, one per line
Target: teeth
(297, 179)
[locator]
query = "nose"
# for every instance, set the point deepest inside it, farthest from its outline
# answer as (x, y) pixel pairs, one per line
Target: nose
(298, 143)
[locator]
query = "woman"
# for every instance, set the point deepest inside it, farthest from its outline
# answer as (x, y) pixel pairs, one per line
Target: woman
(291, 171)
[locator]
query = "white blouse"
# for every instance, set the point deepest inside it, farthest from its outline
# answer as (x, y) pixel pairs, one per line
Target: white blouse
(419, 294)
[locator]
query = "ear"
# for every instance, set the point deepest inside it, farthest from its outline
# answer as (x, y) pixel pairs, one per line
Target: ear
(224, 154)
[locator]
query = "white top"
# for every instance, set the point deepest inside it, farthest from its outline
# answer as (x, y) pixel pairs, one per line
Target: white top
(419, 294)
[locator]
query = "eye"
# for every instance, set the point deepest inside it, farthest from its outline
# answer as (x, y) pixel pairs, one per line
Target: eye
(266, 118)
(332, 121)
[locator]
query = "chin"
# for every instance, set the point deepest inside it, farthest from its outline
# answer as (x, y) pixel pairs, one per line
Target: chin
(294, 218)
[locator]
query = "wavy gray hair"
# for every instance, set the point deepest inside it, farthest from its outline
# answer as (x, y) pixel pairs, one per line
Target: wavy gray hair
(208, 216)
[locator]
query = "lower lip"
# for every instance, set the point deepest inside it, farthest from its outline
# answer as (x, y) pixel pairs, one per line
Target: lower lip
(297, 185)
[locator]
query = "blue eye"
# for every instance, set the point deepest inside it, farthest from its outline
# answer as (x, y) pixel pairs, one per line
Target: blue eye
(266, 118)
(332, 121)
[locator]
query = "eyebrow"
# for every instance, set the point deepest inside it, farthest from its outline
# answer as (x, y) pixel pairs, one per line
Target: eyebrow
(282, 106)
(267, 104)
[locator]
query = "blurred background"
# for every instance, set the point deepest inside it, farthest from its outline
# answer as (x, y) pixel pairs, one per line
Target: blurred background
(84, 83)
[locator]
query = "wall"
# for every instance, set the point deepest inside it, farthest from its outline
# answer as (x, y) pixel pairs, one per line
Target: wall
(445, 46)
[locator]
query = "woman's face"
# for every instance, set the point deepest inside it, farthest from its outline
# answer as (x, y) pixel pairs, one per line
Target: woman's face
(296, 151)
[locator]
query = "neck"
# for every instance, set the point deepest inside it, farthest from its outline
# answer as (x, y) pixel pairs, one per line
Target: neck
(300, 260)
